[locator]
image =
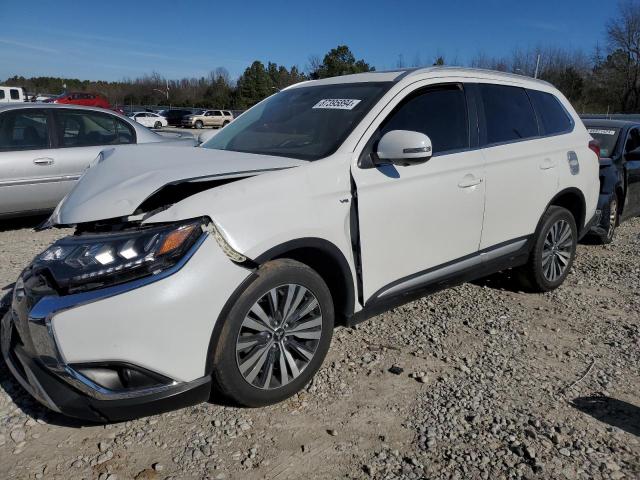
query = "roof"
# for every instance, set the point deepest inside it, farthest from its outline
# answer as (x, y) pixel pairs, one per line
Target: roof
(400, 74)
(605, 122)
(14, 105)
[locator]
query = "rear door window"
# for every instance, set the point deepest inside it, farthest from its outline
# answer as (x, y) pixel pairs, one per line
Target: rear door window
(15, 94)
(24, 130)
(508, 114)
(83, 129)
(1, 94)
(554, 119)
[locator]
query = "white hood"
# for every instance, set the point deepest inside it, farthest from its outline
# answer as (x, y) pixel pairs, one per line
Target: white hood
(119, 180)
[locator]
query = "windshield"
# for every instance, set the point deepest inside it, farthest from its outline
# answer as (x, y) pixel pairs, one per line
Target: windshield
(607, 137)
(307, 123)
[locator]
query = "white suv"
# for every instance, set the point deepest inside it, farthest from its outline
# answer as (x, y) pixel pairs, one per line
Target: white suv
(325, 204)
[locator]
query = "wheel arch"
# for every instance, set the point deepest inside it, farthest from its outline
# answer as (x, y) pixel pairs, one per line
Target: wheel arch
(573, 200)
(328, 261)
(317, 253)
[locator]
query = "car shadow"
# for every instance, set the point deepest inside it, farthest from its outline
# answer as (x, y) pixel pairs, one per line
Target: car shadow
(22, 222)
(617, 413)
(504, 280)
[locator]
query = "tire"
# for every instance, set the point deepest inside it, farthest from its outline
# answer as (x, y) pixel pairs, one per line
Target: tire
(198, 124)
(611, 220)
(249, 372)
(225, 123)
(552, 255)
(157, 125)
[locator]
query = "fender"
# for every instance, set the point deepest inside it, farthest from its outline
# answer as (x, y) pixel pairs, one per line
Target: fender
(329, 249)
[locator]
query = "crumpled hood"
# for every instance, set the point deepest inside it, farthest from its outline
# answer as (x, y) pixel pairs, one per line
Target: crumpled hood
(119, 180)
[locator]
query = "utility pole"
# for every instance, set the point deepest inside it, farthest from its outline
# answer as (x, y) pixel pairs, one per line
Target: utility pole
(535, 75)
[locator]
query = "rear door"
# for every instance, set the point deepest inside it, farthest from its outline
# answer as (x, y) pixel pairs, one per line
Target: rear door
(521, 167)
(217, 118)
(30, 177)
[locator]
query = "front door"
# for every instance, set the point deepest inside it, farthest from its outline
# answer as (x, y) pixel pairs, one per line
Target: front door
(423, 221)
(29, 172)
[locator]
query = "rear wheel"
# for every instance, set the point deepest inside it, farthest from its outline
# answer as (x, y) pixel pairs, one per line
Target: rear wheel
(553, 251)
(610, 223)
(199, 124)
(276, 335)
(225, 123)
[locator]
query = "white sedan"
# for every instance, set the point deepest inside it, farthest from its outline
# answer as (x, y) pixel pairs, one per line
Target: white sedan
(149, 119)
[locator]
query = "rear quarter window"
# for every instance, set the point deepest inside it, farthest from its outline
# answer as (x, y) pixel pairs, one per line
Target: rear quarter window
(554, 119)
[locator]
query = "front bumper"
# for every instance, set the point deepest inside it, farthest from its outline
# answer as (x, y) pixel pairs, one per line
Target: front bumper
(160, 325)
(54, 390)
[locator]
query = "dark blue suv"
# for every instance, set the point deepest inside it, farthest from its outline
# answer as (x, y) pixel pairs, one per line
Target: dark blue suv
(619, 173)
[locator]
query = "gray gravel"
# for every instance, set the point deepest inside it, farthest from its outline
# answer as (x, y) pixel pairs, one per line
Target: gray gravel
(480, 381)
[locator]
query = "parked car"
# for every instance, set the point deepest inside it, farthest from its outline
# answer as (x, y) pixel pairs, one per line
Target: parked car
(81, 98)
(44, 149)
(12, 95)
(619, 174)
(325, 204)
(175, 116)
(208, 118)
(150, 119)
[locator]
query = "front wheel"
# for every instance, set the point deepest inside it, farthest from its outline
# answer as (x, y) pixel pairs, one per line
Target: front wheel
(199, 124)
(275, 336)
(157, 125)
(553, 251)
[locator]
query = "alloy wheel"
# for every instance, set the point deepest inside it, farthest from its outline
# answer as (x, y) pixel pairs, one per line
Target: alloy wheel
(279, 336)
(557, 250)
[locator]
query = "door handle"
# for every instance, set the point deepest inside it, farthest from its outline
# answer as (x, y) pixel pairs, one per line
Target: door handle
(547, 163)
(43, 161)
(469, 181)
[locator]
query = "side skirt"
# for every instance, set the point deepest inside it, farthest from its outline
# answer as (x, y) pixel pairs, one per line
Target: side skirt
(513, 253)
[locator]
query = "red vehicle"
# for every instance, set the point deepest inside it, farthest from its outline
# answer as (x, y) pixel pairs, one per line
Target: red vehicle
(82, 98)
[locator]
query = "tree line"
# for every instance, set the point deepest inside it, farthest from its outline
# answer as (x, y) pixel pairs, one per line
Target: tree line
(215, 90)
(606, 79)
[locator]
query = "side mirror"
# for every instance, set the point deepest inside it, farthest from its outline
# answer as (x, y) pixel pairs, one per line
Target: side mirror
(404, 148)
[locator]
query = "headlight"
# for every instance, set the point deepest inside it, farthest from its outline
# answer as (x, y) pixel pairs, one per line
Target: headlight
(89, 261)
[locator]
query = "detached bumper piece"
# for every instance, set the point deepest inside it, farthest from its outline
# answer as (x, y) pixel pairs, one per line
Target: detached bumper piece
(98, 393)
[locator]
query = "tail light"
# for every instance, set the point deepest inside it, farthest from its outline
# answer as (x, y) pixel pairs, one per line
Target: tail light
(595, 147)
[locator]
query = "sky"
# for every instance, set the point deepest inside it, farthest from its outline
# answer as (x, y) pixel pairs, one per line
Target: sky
(126, 39)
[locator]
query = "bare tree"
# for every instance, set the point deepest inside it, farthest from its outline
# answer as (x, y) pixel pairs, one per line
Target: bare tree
(623, 35)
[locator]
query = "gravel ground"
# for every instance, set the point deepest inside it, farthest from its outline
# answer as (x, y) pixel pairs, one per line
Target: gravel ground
(480, 381)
